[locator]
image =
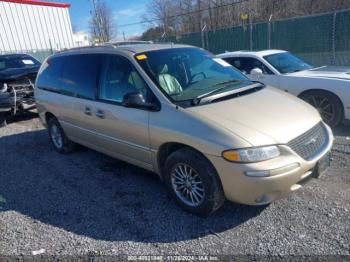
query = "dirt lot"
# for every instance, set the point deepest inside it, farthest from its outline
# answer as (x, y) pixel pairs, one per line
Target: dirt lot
(88, 203)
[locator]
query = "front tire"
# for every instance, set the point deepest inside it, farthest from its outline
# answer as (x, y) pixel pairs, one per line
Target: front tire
(193, 182)
(328, 105)
(58, 138)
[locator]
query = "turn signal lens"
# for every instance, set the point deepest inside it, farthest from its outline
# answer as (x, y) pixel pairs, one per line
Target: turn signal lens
(231, 156)
(253, 154)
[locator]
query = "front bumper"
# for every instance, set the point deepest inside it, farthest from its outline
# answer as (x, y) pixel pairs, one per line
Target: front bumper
(240, 188)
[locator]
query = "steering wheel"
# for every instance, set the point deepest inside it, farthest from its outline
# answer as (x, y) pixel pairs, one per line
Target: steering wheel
(198, 74)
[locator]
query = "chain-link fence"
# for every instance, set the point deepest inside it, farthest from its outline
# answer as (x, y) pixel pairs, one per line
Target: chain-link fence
(320, 39)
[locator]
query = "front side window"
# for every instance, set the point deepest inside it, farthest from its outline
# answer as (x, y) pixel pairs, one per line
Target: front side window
(287, 63)
(188, 73)
(247, 64)
(119, 77)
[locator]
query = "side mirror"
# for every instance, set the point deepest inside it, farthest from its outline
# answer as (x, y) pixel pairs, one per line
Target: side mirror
(136, 100)
(257, 73)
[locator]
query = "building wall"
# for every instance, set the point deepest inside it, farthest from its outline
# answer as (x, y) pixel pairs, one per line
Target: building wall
(81, 39)
(34, 27)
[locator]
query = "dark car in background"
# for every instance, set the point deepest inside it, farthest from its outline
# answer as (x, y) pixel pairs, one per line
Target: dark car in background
(17, 78)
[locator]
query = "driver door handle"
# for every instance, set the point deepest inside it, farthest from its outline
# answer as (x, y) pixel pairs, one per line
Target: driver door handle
(100, 114)
(87, 111)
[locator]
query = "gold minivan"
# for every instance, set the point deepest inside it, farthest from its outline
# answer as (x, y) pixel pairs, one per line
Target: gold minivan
(206, 130)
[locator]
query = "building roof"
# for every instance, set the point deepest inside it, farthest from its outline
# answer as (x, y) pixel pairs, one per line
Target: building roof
(38, 2)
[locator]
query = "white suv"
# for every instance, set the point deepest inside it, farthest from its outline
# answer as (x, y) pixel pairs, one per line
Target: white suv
(326, 88)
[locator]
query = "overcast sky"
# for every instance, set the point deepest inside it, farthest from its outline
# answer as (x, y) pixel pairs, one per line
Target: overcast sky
(124, 11)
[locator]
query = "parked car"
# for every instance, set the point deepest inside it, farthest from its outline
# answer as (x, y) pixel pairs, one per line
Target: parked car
(327, 88)
(205, 128)
(17, 78)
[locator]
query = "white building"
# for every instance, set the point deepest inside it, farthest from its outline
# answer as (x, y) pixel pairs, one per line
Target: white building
(81, 39)
(33, 25)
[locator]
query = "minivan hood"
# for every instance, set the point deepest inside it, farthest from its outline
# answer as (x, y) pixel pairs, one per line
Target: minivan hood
(266, 117)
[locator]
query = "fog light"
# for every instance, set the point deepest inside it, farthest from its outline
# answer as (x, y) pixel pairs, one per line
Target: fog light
(260, 173)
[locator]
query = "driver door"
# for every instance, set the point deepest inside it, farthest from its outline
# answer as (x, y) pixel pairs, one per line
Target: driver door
(123, 132)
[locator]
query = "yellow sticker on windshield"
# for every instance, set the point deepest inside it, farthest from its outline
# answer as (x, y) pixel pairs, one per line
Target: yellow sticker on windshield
(141, 57)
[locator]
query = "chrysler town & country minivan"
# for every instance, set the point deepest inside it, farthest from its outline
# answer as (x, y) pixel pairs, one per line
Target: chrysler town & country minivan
(208, 131)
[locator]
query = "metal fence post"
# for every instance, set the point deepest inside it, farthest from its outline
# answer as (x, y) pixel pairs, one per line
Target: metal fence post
(334, 25)
(250, 34)
(269, 32)
(203, 29)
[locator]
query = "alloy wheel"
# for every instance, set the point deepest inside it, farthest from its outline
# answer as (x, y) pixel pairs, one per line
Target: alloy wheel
(188, 185)
(324, 107)
(56, 136)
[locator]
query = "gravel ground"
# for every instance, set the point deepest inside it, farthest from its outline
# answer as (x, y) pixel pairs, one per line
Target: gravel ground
(87, 203)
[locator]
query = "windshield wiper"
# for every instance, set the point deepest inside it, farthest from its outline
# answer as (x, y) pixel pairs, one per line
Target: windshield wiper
(198, 99)
(228, 82)
(297, 70)
(206, 97)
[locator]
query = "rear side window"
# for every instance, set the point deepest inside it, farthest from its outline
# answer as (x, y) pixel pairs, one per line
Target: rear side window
(75, 75)
(80, 75)
(50, 77)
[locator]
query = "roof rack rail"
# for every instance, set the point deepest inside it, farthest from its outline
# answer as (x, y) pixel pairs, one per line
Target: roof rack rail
(131, 42)
(107, 44)
(80, 47)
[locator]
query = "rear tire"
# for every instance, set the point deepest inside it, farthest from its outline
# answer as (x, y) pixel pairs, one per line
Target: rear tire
(58, 138)
(193, 182)
(328, 104)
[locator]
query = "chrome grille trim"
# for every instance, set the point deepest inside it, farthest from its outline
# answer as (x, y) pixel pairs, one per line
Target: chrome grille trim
(309, 144)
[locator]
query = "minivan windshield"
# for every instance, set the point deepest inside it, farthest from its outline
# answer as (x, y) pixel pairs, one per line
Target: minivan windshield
(189, 73)
(287, 63)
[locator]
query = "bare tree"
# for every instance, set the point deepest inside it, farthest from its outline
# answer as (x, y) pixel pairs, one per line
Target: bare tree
(178, 17)
(102, 26)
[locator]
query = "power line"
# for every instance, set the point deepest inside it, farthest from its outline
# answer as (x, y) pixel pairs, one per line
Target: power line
(184, 14)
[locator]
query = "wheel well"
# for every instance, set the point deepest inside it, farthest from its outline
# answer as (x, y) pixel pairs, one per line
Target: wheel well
(48, 115)
(319, 90)
(324, 91)
(167, 149)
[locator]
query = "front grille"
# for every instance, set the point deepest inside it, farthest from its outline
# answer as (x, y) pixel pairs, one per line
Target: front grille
(310, 143)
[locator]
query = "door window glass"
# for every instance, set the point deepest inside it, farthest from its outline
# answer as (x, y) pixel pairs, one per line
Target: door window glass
(119, 78)
(80, 75)
(247, 64)
(51, 75)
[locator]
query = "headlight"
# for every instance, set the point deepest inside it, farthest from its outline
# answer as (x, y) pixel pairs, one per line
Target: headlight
(253, 154)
